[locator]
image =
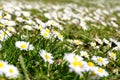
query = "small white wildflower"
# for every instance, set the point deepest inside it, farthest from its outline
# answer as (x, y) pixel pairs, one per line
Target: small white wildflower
(11, 71)
(22, 45)
(46, 56)
(100, 61)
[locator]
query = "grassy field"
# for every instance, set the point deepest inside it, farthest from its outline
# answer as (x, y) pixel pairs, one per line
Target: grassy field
(60, 40)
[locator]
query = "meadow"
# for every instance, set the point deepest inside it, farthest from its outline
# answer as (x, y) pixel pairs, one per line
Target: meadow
(60, 40)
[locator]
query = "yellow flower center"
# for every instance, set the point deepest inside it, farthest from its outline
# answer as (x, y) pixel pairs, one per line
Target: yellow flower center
(5, 12)
(59, 35)
(94, 44)
(46, 34)
(7, 23)
(0, 17)
(11, 70)
(1, 25)
(85, 55)
(77, 42)
(40, 27)
(1, 64)
(112, 54)
(77, 63)
(119, 32)
(47, 56)
(52, 22)
(100, 59)
(10, 28)
(24, 46)
(4, 33)
(0, 7)
(0, 37)
(91, 64)
(48, 30)
(100, 70)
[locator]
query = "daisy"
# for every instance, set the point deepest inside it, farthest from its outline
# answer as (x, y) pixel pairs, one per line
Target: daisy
(46, 56)
(11, 71)
(100, 72)
(77, 42)
(3, 66)
(78, 66)
(12, 29)
(5, 33)
(94, 45)
(46, 33)
(51, 22)
(112, 55)
(100, 61)
(58, 35)
(84, 54)
(22, 45)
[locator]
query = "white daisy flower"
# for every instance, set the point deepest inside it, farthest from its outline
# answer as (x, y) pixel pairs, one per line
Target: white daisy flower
(100, 72)
(58, 35)
(11, 71)
(46, 56)
(100, 61)
(12, 29)
(3, 66)
(84, 54)
(78, 66)
(77, 42)
(52, 22)
(46, 33)
(5, 33)
(112, 55)
(22, 45)
(94, 45)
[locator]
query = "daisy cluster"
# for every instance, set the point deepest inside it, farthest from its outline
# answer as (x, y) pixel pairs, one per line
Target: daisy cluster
(37, 31)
